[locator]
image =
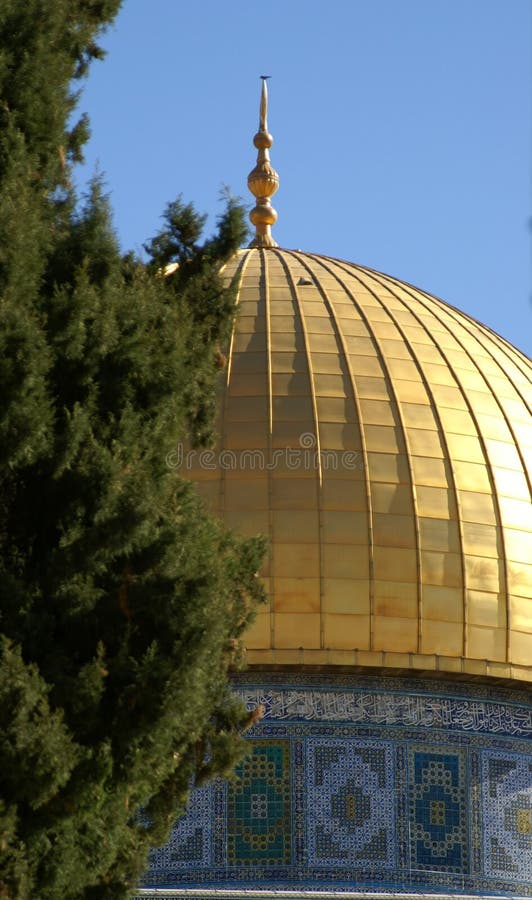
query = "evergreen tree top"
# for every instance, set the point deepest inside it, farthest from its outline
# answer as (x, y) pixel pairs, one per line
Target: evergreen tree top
(121, 602)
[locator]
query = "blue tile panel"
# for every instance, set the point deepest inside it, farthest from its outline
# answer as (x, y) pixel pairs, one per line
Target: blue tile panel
(507, 814)
(392, 784)
(350, 802)
(438, 811)
(190, 843)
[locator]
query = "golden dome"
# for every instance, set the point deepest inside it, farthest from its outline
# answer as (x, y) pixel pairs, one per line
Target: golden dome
(382, 440)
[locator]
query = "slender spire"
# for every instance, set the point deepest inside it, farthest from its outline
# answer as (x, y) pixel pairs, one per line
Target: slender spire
(263, 180)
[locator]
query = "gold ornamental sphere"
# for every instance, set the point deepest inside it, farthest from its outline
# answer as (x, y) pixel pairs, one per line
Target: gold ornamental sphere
(263, 140)
(263, 181)
(263, 215)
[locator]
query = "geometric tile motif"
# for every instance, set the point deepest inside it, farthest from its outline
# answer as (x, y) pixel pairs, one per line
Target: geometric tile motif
(507, 815)
(438, 810)
(258, 807)
(189, 846)
(350, 801)
(321, 744)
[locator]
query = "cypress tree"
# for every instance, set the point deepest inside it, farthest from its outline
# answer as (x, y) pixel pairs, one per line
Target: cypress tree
(121, 601)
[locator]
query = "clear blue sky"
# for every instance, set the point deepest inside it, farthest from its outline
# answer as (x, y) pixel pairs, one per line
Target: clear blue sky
(402, 132)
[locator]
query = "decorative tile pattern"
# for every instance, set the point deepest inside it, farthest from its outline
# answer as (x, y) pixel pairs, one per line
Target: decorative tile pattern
(438, 823)
(361, 780)
(190, 844)
(350, 803)
(507, 809)
(258, 807)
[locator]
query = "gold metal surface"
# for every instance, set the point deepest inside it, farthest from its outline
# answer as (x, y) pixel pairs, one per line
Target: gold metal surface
(263, 180)
(400, 528)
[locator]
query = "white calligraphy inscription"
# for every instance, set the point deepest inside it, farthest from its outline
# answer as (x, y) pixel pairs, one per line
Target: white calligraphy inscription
(382, 708)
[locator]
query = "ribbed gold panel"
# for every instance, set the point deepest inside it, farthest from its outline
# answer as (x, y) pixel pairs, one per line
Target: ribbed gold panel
(383, 441)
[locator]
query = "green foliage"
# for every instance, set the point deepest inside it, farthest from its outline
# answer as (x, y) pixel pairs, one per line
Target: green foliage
(121, 601)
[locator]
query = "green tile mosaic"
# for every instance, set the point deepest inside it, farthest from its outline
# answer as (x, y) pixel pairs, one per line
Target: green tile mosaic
(258, 807)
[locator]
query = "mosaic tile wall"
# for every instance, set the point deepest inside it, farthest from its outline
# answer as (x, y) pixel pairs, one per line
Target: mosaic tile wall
(404, 785)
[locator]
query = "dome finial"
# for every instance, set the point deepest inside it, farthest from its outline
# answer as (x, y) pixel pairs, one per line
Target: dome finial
(263, 180)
